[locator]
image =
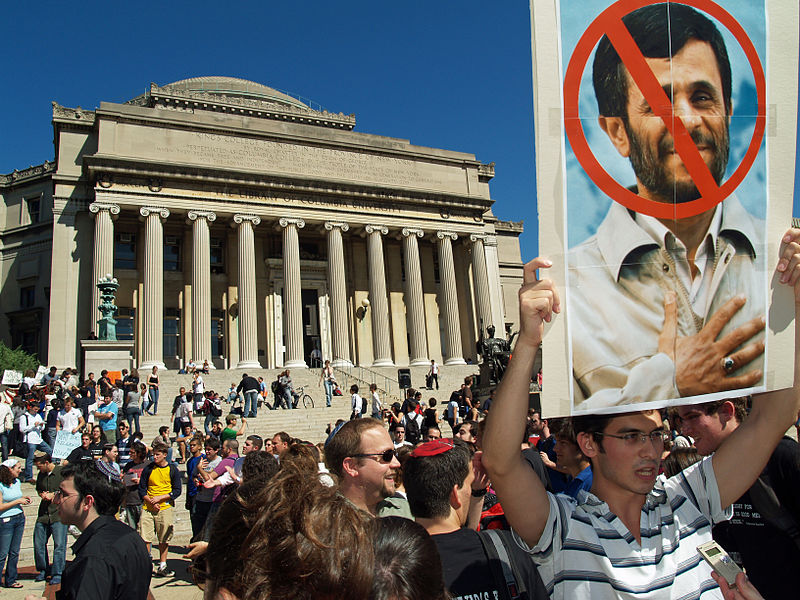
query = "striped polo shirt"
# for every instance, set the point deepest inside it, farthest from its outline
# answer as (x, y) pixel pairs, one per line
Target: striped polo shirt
(587, 552)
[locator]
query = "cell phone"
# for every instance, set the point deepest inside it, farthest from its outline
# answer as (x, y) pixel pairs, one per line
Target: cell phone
(718, 559)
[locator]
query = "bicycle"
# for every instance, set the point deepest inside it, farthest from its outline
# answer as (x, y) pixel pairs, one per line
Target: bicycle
(299, 394)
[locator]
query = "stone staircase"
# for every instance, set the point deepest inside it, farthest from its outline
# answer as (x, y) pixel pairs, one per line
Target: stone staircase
(305, 424)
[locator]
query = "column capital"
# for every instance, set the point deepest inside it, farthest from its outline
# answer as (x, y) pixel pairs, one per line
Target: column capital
(96, 207)
(146, 211)
(284, 222)
(477, 237)
(382, 229)
(209, 216)
(490, 240)
(410, 231)
(238, 219)
(444, 234)
(331, 225)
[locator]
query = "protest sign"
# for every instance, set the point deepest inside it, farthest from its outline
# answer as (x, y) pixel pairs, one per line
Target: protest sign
(66, 442)
(652, 125)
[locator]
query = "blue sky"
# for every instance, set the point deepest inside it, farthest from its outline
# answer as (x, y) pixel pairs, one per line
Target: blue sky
(449, 74)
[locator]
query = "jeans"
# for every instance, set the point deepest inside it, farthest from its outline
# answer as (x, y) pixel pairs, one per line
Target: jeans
(251, 403)
(11, 530)
(29, 462)
(328, 391)
(41, 533)
(152, 400)
(198, 516)
(4, 442)
(207, 423)
(287, 398)
(132, 417)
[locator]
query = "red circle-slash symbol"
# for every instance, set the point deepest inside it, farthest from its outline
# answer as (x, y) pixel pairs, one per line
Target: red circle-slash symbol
(609, 23)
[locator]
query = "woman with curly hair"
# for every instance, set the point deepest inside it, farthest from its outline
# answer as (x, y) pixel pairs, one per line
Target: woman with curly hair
(291, 539)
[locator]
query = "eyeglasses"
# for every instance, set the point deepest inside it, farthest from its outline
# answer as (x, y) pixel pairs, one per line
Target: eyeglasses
(61, 495)
(640, 438)
(386, 456)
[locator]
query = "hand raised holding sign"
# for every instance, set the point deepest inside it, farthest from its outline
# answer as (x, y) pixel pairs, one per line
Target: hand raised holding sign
(538, 300)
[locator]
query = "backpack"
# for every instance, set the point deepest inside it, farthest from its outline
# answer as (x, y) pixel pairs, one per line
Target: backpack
(412, 428)
(16, 443)
(502, 566)
(363, 405)
(275, 387)
(215, 409)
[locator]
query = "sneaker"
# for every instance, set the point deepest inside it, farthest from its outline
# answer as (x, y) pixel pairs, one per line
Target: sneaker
(164, 572)
(40, 577)
(56, 580)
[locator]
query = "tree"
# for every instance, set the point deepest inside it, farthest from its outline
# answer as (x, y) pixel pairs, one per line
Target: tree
(17, 359)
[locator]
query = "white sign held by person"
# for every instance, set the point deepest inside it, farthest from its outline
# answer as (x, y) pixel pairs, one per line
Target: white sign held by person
(12, 377)
(66, 442)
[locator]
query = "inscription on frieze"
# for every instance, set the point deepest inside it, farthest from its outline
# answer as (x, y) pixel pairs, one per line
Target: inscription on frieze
(304, 160)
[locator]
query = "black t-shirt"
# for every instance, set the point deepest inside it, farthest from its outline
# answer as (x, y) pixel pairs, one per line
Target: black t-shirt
(96, 449)
(768, 553)
(466, 570)
(78, 454)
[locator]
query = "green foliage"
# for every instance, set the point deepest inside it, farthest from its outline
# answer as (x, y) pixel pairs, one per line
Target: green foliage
(16, 359)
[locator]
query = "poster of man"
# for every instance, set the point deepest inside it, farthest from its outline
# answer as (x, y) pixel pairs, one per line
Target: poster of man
(665, 200)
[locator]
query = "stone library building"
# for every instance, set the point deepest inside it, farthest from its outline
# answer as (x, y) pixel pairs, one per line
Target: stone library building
(249, 229)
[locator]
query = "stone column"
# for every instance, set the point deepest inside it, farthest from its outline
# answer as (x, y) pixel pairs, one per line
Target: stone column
(152, 309)
(415, 309)
(480, 276)
(379, 304)
(201, 285)
(292, 299)
(248, 315)
(340, 336)
(103, 259)
(449, 297)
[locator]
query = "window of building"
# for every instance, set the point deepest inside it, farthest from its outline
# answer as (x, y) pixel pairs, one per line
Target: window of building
(124, 250)
(275, 246)
(217, 255)
(217, 332)
(313, 249)
(126, 319)
(172, 253)
(172, 332)
(34, 209)
(27, 296)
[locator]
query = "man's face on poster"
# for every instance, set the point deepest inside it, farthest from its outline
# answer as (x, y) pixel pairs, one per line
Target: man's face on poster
(692, 80)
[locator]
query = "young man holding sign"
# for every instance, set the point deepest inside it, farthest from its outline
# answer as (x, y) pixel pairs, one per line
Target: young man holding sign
(635, 533)
(663, 308)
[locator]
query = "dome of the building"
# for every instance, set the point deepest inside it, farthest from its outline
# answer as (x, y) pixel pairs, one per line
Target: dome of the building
(231, 86)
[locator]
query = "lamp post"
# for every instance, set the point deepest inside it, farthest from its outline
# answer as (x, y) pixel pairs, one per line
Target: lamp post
(107, 325)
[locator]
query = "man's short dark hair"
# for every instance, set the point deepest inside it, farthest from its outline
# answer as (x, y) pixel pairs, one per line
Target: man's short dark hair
(212, 443)
(347, 442)
(739, 407)
(258, 441)
(233, 445)
(160, 447)
(163, 429)
(42, 458)
(660, 31)
(430, 479)
(285, 437)
(88, 480)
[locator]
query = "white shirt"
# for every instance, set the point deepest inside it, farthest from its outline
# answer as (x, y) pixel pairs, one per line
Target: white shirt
(69, 420)
(197, 386)
(31, 425)
(355, 402)
(586, 551)
(376, 403)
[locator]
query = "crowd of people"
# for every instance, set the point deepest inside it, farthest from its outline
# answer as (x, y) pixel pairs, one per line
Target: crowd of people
(487, 499)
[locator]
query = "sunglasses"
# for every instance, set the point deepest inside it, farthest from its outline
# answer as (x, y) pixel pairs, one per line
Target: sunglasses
(385, 457)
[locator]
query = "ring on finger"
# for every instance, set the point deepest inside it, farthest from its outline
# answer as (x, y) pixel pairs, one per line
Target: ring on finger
(728, 364)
